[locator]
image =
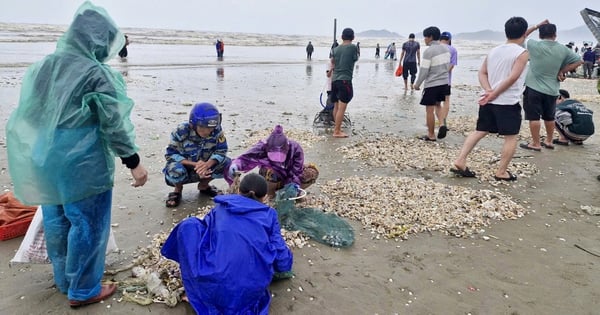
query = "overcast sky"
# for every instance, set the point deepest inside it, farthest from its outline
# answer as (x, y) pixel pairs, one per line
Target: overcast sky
(307, 17)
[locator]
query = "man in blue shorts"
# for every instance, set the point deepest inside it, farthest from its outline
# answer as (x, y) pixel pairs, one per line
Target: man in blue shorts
(501, 76)
(344, 57)
(434, 72)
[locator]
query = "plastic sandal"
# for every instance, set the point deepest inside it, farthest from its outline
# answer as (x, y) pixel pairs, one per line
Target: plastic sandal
(173, 199)
(211, 191)
(463, 173)
(106, 291)
(510, 178)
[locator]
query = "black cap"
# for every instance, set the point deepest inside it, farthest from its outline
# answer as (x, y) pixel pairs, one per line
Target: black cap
(253, 183)
(411, 35)
(564, 93)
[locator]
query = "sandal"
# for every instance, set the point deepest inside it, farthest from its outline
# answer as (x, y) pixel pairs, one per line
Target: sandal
(527, 147)
(557, 141)
(548, 146)
(211, 191)
(105, 292)
(442, 132)
(463, 173)
(510, 178)
(425, 138)
(173, 199)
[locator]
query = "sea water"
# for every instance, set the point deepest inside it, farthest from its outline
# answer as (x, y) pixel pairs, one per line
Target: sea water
(260, 74)
(23, 44)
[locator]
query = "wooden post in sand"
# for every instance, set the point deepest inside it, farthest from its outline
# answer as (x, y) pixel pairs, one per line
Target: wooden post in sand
(334, 28)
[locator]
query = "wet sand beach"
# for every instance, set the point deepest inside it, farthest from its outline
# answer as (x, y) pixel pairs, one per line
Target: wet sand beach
(530, 265)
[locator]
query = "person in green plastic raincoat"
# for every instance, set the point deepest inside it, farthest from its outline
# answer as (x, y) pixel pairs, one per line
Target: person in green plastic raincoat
(62, 139)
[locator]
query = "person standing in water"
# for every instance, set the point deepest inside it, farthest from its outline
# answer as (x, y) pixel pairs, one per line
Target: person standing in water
(343, 60)
(123, 52)
(309, 50)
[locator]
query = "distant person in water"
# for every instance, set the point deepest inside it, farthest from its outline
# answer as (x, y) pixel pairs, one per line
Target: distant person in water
(377, 51)
(220, 47)
(335, 44)
(309, 50)
(123, 52)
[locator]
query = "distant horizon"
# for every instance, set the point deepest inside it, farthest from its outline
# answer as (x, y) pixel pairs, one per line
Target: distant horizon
(303, 35)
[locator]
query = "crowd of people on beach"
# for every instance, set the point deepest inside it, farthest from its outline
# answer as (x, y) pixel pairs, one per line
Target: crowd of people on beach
(79, 121)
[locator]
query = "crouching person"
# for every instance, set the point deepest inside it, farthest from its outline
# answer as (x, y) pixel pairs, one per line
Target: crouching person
(280, 161)
(196, 153)
(574, 122)
(228, 258)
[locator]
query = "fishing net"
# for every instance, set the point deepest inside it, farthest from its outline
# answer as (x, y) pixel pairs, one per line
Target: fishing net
(323, 227)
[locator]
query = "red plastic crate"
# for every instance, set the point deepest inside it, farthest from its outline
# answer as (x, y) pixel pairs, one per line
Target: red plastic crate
(15, 229)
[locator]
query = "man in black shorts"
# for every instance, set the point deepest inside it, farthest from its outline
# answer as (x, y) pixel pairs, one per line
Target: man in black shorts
(434, 74)
(501, 77)
(343, 59)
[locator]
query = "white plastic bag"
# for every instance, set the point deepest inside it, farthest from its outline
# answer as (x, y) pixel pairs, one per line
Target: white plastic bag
(33, 247)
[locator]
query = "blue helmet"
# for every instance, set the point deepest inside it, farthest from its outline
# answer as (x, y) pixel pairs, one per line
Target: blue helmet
(205, 115)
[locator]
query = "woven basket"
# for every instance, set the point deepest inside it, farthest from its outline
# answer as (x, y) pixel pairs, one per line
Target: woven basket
(15, 229)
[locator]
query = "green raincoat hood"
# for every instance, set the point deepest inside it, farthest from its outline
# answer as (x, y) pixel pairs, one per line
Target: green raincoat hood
(72, 117)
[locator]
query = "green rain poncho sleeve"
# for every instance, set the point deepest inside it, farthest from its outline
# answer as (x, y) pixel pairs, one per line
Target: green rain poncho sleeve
(73, 116)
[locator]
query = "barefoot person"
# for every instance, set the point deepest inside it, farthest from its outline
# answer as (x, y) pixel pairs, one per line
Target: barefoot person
(501, 76)
(197, 153)
(344, 57)
(71, 121)
(410, 58)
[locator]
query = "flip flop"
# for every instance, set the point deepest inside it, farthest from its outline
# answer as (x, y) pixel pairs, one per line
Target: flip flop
(463, 173)
(211, 191)
(173, 199)
(106, 291)
(442, 132)
(547, 146)
(426, 138)
(527, 147)
(510, 178)
(556, 141)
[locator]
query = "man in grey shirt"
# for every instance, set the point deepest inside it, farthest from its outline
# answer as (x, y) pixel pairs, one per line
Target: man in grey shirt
(434, 73)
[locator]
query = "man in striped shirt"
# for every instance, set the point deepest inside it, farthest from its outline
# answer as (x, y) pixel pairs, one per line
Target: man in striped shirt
(433, 74)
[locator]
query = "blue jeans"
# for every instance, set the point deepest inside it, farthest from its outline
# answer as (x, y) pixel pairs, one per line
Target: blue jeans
(76, 238)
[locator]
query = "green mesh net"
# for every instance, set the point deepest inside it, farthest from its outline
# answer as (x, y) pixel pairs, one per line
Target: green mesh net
(323, 227)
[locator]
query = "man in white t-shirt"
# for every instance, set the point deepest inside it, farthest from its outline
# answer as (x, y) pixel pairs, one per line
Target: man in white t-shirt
(501, 76)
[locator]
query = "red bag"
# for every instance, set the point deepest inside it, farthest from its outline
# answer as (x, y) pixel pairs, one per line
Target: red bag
(399, 70)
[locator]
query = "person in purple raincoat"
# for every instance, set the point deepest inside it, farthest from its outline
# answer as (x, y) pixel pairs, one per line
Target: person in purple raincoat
(280, 161)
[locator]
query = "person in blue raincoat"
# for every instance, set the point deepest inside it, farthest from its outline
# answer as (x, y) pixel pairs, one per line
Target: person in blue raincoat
(71, 121)
(228, 258)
